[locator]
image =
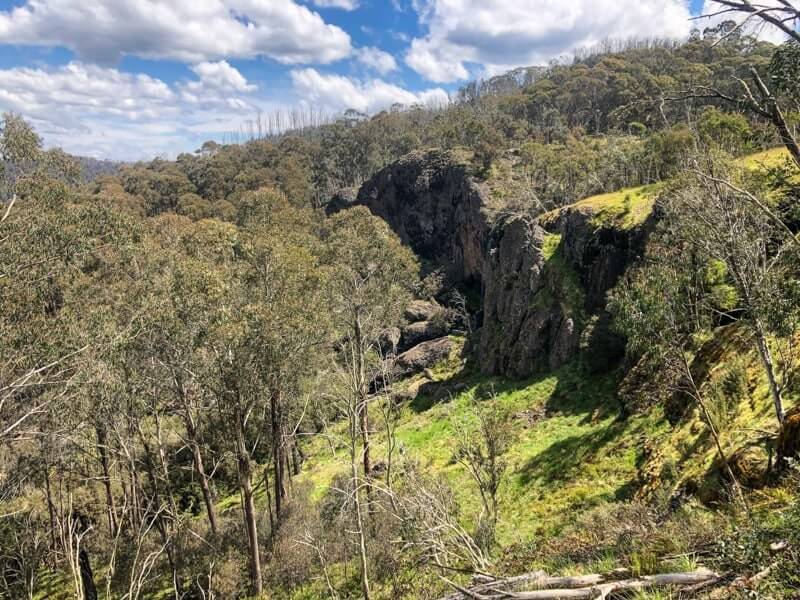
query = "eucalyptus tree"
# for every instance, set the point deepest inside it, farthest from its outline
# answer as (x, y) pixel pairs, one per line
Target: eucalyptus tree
(370, 274)
(285, 284)
(178, 307)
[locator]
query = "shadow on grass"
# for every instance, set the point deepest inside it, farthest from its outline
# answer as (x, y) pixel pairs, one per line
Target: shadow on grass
(576, 392)
(563, 459)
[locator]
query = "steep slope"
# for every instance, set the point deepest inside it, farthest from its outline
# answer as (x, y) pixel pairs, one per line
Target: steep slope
(543, 281)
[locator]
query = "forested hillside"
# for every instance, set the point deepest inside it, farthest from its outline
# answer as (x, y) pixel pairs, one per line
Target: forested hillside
(547, 331)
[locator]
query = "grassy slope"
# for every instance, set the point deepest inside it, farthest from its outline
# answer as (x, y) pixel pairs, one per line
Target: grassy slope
(571, 451)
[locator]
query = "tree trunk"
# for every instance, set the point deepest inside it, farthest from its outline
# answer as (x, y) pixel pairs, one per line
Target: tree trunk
(587, 587)
(277, 453)
(249, 510)
(269, 501)
(775, 114)
(199, 468)
(208, 497)
(766, 360)
(51, 509)
(87, 577)
(362, 408)
(102, 447)
(366, 454)
(362, 542)
(161, 523)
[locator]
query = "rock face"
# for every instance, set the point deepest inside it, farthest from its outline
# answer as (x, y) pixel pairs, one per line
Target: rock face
(527, 326)
(431, 203)
(544, 282)
(599, 252)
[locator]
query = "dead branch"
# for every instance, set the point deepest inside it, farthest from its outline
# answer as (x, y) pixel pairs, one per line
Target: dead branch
(585, 587)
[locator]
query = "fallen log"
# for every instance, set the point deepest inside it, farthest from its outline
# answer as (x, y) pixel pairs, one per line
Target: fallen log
(518, 582)
(586, 587)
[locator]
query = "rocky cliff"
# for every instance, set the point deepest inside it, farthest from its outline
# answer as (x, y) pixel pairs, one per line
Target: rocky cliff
(544, 281)
(435, 207)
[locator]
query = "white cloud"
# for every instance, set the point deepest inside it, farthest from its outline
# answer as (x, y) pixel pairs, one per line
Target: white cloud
(343, 4)
(376, 59)
(336, 93)
(753, 25)
(187, 30)
(495, 33)
(105, 112)
(222, 76)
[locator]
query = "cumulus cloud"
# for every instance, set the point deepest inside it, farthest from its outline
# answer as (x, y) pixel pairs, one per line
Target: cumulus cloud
(100, 111)
(187, 30)
(336, 93)
(222, 76)
(376, 59)
(507, 33)
(343, 4)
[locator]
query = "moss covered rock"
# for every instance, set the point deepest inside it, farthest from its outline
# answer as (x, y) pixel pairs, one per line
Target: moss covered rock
(789, 439)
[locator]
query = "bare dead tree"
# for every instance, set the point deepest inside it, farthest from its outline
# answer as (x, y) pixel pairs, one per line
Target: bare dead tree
(761, 101)
(783, 14)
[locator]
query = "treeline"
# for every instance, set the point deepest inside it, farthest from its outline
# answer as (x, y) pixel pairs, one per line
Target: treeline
(603, 122)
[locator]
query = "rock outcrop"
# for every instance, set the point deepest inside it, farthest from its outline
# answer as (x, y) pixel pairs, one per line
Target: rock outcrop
(527, 325)
(424, 356)
(544, 281)
(435, 207)
(422, 331)
(598, 250)
(421, 310)
(344, 198)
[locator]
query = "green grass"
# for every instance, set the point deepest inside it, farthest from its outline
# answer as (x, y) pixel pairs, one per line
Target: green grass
(624, 209)
(766, 159)
(570, 451)
(551, 243)
(630, 207)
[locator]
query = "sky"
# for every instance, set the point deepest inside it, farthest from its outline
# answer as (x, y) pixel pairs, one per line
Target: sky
(135, 79)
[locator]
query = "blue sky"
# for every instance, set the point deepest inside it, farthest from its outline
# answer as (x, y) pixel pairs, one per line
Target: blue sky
(131, 79)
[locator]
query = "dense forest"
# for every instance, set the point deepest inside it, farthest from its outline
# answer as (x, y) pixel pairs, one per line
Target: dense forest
(548, 330)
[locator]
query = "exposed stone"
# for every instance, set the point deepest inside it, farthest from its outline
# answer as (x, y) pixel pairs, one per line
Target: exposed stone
(599, 253)
(536, 308)
(423, 331)
(789, 439)
(424, 356)
(526, 327)
(435, 207)
(421, 310)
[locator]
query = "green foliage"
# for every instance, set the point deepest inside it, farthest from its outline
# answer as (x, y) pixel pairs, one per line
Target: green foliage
(19, 143)
(728, 130)
(784, 69)
(202, 303)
